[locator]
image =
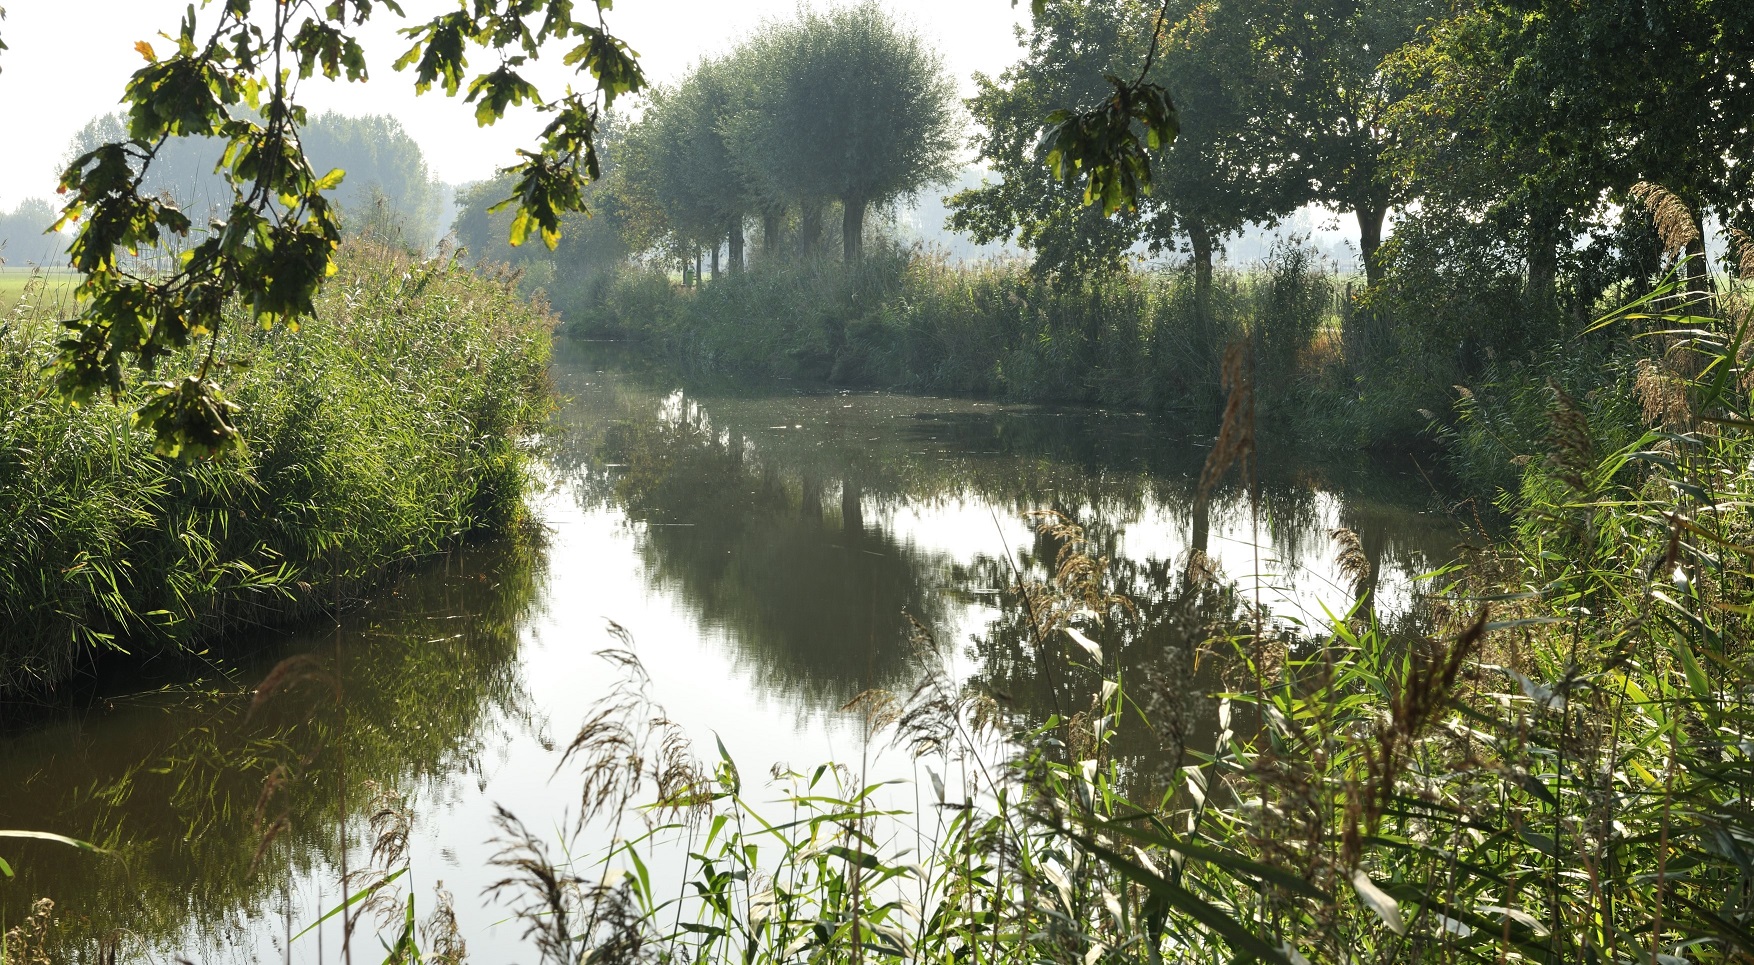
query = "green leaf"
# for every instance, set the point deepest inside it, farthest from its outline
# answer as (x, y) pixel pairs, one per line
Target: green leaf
(1243, 941)
(1228, 860)
(56, 838)
(1379, 901)
(352, 900)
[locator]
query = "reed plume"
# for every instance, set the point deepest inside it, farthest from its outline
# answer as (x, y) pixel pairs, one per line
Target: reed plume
(1354, 563)
(1674, 220)
(1742, 250)
(1572, 453)
(628, 740)
(1235, 445)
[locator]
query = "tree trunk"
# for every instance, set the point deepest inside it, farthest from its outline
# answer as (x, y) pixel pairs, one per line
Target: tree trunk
(1201, 540)
(771, 225)
(1200, 239)
(715, 261)
(852, 516)
(852, 230)
(1543, 273)
(1370, 221)
(735, 244)
(810, 228)
(1543, 261)
(697, 267)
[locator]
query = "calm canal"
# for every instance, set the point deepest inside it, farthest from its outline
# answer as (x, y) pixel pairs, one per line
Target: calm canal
(766, 554)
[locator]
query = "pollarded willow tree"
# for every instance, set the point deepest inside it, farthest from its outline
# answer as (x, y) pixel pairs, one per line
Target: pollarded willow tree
(839, 107)
(863, 108)
(682, 167)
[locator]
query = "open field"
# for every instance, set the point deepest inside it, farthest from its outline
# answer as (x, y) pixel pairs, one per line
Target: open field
(49, 289)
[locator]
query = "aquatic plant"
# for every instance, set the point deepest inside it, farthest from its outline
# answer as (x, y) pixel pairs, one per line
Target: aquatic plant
(910, 319)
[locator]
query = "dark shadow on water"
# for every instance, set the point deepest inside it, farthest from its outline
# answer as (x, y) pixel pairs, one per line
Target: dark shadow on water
(172, 778)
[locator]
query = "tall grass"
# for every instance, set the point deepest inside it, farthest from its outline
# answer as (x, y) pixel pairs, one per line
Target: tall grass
(385, 430)
(912, 320)
(1556, 764)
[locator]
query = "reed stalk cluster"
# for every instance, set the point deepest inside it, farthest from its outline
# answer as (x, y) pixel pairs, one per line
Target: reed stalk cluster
(907, 319)
(387, 429)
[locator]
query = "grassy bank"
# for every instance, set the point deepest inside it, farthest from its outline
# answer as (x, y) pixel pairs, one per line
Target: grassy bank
(385, 430)
(1554, 762)
(1333, 364)
(46, 291)
(909, 320)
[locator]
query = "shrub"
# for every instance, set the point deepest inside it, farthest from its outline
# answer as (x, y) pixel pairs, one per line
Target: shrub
(909, 319)
(385, 430)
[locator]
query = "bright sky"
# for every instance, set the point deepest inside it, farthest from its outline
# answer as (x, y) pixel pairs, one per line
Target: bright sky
(69, 61)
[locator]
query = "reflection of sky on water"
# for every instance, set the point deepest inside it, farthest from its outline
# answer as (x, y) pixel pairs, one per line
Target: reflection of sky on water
(1301, 581)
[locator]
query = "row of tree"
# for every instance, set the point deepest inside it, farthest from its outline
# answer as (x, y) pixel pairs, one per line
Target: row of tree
(388, 187)
(22, 238)
(1530, 120)
(835, 108)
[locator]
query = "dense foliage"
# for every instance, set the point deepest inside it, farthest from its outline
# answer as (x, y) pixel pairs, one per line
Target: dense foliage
(387, 437)
(1550, 760)
(860, 109)
(1519, 202)
(909, 320)
(236, 80)
(1551, 763)
(232, 75)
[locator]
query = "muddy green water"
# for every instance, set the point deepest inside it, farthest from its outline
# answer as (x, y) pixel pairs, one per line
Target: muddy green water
(765, 552)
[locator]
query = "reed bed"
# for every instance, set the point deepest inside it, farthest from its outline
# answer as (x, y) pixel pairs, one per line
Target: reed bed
(387, 429)
(908, 319)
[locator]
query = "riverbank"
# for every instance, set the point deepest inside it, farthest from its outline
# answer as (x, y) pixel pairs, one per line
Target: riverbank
(1553, 764)
(385, 430)
(1412, 366)
(1103, 754)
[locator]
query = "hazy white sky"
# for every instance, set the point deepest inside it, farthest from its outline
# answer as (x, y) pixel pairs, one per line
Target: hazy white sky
(70, 59)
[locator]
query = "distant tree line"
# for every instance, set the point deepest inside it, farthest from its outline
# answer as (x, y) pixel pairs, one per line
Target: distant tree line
(23, 235)
(836, 111)
(1509, 133)
(388, 189)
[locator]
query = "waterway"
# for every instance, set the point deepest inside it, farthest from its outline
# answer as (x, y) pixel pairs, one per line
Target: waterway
(767, 555)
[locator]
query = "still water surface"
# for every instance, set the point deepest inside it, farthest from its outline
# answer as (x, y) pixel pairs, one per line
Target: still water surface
(765, 553)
